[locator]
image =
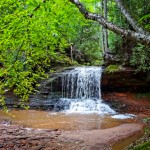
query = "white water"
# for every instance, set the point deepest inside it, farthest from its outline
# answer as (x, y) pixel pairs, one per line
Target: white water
(81, 91)
(82, 83)
(123, 116)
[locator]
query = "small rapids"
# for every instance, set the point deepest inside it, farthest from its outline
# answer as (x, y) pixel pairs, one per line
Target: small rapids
(81, 91)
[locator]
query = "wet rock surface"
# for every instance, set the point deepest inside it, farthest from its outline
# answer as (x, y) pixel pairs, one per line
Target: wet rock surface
(103, 139)
(16, 137)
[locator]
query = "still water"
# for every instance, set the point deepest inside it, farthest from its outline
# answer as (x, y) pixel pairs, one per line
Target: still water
(64, 121)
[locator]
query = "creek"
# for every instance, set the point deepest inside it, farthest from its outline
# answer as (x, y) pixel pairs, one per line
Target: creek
(80, 107)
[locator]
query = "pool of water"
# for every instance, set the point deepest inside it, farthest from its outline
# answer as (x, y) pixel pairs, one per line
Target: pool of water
(64, 121)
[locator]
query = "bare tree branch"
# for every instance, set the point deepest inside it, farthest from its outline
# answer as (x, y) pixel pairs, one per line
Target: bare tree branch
(136, 36)
(131, 21)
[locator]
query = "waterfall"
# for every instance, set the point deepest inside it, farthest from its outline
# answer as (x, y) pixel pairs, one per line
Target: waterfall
(81, 91)
(82, 83)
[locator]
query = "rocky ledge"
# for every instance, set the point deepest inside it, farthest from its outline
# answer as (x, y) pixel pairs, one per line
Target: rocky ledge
(126, 102)
(16, 137)
(125, 80)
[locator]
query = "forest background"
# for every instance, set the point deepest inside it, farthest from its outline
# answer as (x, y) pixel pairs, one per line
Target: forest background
(38, 35)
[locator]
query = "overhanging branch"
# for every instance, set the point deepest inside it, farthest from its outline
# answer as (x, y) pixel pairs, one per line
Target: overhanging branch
(136, 36)
(130, 20)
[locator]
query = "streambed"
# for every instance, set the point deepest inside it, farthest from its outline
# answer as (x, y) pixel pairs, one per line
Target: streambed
(98, 126)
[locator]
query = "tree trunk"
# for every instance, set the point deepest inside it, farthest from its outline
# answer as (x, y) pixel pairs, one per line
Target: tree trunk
(105, 31)
(103, 36)
(136, 36)
(71, 53)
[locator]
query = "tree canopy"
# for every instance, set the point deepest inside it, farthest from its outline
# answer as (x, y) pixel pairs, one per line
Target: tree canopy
(37, 35)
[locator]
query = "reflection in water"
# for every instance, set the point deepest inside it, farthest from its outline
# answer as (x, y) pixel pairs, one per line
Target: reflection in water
(48, 120)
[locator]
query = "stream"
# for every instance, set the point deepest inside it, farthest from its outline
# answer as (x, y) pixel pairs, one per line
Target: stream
(69, 122)
(80, 107)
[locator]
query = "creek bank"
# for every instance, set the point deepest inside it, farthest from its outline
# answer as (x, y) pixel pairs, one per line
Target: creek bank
(19, 137)
(103, 139)
(140, 144)
(16, 137)
(125, 102)
(128, 92)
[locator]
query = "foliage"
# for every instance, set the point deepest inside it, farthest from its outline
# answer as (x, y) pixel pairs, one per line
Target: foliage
(140, 12)
(88, 41)
(140, 54)
(146, 130)
(33, 36)
(113, 68)
(146, 120)
(143, 21)
(143, 95)
(144, 146)
(92, 5)
(141, 58)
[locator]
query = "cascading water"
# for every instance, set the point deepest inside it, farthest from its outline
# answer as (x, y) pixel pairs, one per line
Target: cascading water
(81, 91)
(82, 83)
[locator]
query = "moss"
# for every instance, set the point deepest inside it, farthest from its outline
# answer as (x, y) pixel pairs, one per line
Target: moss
(142, 95)
(144, 146)
(113, 68)
(141, 144)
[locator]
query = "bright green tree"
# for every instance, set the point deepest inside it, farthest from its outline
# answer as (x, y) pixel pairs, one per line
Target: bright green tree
(33, 35)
